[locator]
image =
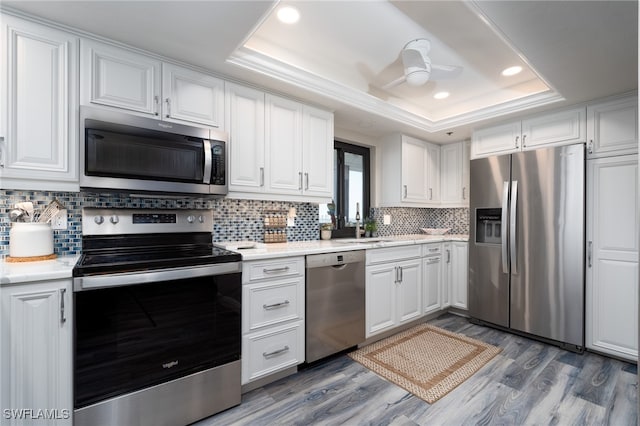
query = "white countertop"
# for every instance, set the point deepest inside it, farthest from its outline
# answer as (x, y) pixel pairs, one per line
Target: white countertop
(24, 272)
(302, 248)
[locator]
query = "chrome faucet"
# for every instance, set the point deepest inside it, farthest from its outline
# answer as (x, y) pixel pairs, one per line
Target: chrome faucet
(357, 220)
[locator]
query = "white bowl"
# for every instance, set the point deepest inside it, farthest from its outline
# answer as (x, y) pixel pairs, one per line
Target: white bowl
(435, 231)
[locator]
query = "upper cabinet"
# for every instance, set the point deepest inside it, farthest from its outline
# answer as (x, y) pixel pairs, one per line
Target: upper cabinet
(279, 149)
(120, 78)
(454, 174)
(410, 172)
(613, 127)
(556, 128)
(38, 107)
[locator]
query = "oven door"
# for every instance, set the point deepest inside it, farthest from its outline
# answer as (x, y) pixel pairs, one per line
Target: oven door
(131, 337)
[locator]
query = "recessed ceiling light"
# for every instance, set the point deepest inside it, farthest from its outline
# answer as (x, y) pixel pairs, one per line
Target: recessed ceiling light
(511, 71)
(441, 95)
(288, 15)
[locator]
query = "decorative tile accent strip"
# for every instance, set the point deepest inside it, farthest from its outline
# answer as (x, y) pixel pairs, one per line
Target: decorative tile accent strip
(233, 219)
(405, 220)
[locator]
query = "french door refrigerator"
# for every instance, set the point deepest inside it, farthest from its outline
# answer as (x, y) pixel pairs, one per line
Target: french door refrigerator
(526, 251)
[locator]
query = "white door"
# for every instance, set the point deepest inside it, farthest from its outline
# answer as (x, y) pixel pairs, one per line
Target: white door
(245, 124)
(192, 97)
(318, 152)
(612, 127)
(38, 107)
(120, 78)
(432, 283)
(447, 271)
(459, 274)
(501, 139)
(415, 169)
(283, 146)
(559, 128)
(380, 296)
(409, 288)
(612, 256)
(36, 350)
(451, 167)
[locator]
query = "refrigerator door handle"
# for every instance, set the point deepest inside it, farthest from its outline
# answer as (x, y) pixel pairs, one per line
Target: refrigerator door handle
(512, 227)
(503, 225)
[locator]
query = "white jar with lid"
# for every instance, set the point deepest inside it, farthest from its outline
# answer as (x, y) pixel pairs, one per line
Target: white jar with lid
(29, 239)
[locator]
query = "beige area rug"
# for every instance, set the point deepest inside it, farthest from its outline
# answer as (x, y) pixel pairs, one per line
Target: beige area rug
(425, 360)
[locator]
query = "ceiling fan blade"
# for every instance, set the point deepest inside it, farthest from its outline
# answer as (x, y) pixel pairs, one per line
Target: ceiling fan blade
(412, 58)
(394, 83)
(444, 72)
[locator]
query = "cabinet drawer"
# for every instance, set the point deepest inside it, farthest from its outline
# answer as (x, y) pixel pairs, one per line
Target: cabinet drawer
(431, 249)
(273, 302)
(391, 254)
(263, 270)
(273, 350)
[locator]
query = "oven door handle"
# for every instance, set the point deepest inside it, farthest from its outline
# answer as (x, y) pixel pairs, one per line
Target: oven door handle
(145, 277)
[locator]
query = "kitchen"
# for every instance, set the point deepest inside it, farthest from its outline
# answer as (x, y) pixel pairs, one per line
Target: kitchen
(261, 178)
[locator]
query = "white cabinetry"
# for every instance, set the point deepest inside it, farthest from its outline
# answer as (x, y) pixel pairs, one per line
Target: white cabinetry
(38, 107)
(557, 128)
(36, 351)
(612, 256)
(612, 127)
(272, 316)
(458, 281)
(454, 174)
(393, 287)
(432, 290)
(116, 77)
(410, 172)
(279, 149)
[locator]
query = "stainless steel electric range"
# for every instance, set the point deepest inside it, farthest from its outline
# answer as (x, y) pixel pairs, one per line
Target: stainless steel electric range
(157, 319)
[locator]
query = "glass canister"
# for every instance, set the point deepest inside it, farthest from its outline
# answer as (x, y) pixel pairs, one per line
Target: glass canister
(29, 239)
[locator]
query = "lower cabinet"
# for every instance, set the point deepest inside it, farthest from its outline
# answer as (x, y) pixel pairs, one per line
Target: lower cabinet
(433, 293)
(36, 332)
(273, 300)
(393, 287)
(612, 256)
(458, 274)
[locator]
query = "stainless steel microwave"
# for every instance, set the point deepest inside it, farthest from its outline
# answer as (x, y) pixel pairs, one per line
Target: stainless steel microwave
(128, 153)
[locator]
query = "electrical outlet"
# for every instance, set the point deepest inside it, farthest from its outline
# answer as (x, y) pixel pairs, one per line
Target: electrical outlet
(386, 219)
(59, 221)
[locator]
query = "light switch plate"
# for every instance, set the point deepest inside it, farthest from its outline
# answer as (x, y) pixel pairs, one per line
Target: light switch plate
(386, 219)
(59, 221)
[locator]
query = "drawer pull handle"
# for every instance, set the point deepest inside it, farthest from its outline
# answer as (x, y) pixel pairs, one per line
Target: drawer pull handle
(275, 270)
(275, 353)
(275, 305)
(433, 260)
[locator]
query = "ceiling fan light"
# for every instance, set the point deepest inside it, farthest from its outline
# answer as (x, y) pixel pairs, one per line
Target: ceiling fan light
(508, 72)
(441, 95)
(288, 15)
(417, 78)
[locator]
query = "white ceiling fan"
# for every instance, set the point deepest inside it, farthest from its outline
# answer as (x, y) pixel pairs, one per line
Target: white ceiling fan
(418, 68)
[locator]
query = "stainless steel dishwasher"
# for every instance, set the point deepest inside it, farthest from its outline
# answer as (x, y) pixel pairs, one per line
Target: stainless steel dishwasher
(334, 303)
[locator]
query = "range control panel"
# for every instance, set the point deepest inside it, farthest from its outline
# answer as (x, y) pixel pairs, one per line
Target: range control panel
(105, 221)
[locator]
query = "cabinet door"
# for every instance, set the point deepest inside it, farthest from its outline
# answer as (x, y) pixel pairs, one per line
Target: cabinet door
(318, 152)
(38, 107)
(283, 146)
(447, 271)
(192, 97)
(409, 291)
(559, 128)
(612, 256)
(415, 171)
(120, 78)
(36, 350)
(380, 296)
(451, 167)
(245, 124)
(502, 139)
(466, 174)
(433, 174)
(459, 274)
(612, 128)
(432, 284)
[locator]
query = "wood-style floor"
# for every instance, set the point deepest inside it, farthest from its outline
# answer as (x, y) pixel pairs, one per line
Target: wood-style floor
(529, 383)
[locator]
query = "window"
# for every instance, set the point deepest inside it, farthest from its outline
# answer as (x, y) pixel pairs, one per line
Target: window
(351, 189)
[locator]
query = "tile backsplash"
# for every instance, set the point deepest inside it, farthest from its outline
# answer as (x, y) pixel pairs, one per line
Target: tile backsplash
(233, 219)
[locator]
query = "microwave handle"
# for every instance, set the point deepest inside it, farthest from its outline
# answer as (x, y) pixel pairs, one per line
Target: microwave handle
(207, 162)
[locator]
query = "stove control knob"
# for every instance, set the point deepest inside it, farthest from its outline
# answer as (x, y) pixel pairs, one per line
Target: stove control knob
(201, 219)
(191, 218)
(114, 219)
(98, 220)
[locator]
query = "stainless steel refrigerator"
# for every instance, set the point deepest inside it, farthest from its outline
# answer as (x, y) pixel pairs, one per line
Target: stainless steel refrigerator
(526, 243)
